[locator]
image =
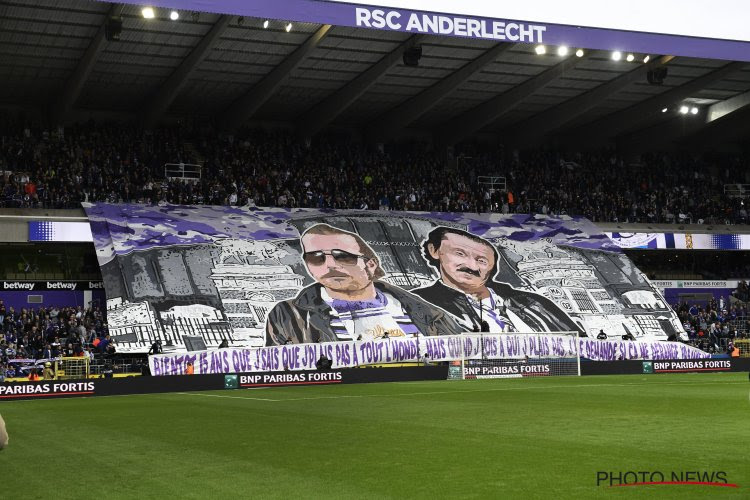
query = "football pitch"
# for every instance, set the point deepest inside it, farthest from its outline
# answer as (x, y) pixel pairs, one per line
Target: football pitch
(501, 438)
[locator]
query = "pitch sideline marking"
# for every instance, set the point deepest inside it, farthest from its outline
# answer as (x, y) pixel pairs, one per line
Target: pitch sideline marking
(221, 396)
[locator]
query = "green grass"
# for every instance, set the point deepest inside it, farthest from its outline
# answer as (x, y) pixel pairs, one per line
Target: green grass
(509, 438)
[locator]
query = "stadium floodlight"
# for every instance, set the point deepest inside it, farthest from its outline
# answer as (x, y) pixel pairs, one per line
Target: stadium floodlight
(148, 13)
(646, 59)
(684, 110)
(630, 58)
(265, 24)
(288, 27)
(664, 110)
(174, 15)
(540, 50)
(562, 51)
(579, 53)
(694, 110)
(616, 55)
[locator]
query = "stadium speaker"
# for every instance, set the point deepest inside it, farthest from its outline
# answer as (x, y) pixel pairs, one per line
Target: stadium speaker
(113, 28)
(412, 55)
(656, 76)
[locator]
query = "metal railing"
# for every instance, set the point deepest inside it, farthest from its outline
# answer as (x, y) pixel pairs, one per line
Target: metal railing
(493, 182)
(183, 171)
(737, 190)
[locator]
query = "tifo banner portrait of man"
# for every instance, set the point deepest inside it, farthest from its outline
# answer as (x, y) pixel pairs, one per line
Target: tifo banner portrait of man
(349, 301)
(467, 264)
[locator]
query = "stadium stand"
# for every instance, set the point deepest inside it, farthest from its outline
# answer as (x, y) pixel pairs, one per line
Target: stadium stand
(50, 332)
(374, 119)
(118, 163)
(713, 327)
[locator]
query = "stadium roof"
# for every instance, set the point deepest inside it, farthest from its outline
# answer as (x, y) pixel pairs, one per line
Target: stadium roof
(54, 54)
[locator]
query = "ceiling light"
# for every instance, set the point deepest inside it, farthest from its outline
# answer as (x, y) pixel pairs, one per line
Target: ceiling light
(664, 110)
(174, 15)
(562, 50)
(265, 24)
(694, 110)
(616, 55)
(646, 59)
(288, 27)
(579, 53)
(148, 12)
(630, 58)
(684, 110)
(540, 50)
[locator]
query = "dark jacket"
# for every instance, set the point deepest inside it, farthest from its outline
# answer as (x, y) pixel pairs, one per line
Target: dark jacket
(307, 318)
(537, 311)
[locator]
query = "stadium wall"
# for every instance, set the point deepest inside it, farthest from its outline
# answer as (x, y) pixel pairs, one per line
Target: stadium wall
(677, 295)
(36, 299)
(183, 383)
(15, 224)
(189, 383)
(628, 367)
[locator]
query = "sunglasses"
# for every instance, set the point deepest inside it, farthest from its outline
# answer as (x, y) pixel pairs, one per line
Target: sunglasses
(339, 256)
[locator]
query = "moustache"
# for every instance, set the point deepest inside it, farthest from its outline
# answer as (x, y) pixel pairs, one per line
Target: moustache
(469, 271)
(334, 274)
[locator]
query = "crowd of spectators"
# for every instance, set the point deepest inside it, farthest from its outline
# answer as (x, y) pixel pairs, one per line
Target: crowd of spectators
(119, 163)
(49, 333)
(742, 293)
(713, 326)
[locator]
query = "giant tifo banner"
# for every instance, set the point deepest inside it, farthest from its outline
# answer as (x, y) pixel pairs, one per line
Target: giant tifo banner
(198, 277)
(671, 26)
(405, 349)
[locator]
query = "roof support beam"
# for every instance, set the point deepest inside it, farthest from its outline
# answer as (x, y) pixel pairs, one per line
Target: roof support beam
(323, 113)
(170, 89)
(404, 114)
(78, 78)
(724, 108)
(246, 106)
(482, 115)
(623, 121)
(539, 125)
